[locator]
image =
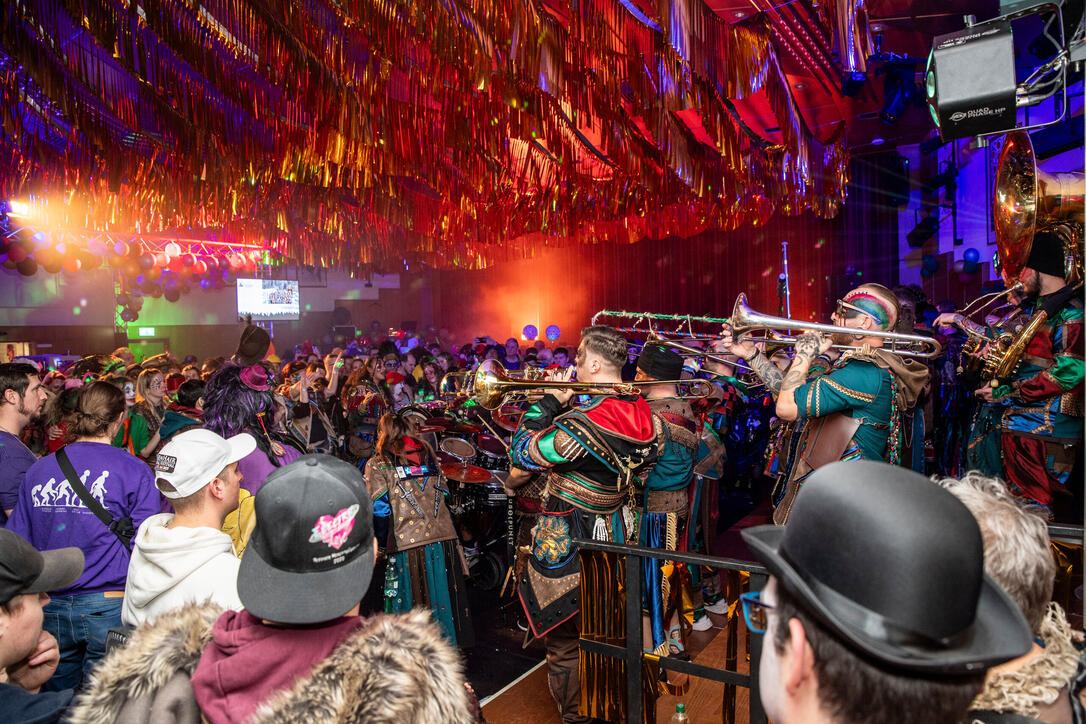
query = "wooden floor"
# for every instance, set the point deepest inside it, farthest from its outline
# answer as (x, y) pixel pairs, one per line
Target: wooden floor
(529, 701)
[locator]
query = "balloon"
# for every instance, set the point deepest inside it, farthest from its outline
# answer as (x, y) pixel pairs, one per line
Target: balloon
(146, 261)
(930, 262)
(146, 286)
(137, 302)
(175, 264)
(172, 294)
(200, 267)
(97, 247)
(27, 267)
(5, 244)
(188, 260)
(17, 253)
(122, 299)
(958, 266)
(553, 332)
(90, 261)
(121, 249)
(72, 264)
(205, 283)
(8, 264)
(156, 290)
(135, 250)
(161, 259)
(173, 249)
(971, 255)
(128, 315)
(969, 267)
(925, 272)
(154, 273)
(39, 240)
(54, 265)
(530, 331)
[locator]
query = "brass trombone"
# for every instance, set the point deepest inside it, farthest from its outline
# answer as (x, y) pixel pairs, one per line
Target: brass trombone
(744, 319)
(493, 385)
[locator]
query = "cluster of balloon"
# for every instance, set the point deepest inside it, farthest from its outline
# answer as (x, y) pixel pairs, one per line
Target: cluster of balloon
(165, 272)
(965, 267)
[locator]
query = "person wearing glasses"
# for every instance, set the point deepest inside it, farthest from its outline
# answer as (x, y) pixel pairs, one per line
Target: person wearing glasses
(877, 608)
(854, 411)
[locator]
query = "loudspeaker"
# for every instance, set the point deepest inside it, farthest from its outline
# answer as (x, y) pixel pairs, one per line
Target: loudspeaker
(970, 83)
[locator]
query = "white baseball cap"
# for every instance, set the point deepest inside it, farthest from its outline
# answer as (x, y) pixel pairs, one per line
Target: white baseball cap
(192, 459)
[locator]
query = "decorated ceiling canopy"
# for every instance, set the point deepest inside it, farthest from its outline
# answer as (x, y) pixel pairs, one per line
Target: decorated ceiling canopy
(370, 134)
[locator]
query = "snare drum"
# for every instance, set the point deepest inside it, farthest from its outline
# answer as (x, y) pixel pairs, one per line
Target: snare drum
(492, 454)
(461, 450)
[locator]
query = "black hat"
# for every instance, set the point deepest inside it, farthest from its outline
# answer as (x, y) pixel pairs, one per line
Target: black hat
(25, 570)
(310, 558)
(253, 347)
(1046, 254)
(894, 565)
(659, 363)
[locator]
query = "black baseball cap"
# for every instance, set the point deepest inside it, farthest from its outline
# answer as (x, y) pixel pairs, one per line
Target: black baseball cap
(310, 558)
(23, 569)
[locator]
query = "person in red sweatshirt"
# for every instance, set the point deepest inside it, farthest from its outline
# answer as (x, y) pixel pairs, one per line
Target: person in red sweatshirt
(299, 650)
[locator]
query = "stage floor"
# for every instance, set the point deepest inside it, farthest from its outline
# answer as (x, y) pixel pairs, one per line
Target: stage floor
(528, 701)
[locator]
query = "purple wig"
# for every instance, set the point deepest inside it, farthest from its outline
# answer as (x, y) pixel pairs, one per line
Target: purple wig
(231, 407)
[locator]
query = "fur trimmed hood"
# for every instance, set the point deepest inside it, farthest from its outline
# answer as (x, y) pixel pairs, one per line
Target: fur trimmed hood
(392, 669)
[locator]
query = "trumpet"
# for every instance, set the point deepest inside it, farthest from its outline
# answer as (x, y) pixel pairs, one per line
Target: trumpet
(744, 319)
(493, 385)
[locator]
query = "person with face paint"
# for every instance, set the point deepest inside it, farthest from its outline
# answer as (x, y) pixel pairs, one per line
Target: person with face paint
(854, 411)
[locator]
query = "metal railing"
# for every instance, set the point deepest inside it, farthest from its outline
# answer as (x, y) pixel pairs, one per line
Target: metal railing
(632, 652)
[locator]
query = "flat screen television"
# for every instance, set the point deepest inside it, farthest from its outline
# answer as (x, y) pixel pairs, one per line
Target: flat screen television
(268, 299)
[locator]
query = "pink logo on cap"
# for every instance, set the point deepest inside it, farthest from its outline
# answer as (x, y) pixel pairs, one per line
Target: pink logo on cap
(334, 530)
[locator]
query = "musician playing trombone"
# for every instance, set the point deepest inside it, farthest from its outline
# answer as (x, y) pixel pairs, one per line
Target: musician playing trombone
(854, 410)
(590, 455)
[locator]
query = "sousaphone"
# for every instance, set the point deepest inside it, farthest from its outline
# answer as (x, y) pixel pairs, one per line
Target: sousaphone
(1028, 200)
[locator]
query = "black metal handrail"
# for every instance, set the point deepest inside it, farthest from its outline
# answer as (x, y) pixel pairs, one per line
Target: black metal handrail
(632, 654)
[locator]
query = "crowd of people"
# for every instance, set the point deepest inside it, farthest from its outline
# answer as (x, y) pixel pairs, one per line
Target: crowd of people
(221, 522)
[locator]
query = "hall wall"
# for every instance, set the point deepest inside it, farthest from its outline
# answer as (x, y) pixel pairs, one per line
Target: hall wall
(701, 275)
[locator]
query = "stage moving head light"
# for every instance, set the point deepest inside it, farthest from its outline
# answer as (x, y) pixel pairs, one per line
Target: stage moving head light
(970, 81)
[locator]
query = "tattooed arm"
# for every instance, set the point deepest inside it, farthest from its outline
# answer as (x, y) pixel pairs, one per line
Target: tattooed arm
(808, 346)
(767, 372)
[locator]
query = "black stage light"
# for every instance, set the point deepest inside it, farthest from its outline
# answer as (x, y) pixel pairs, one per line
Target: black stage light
(899, 88)
(970, 82)
(946, 178)
(925, 229)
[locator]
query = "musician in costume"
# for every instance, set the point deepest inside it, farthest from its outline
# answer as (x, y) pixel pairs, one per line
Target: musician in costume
(854, 411)
(664, 499)
(425, 564)
(1042, 423)
(590, 454)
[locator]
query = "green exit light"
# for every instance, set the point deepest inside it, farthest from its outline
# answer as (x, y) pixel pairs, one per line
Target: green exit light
(147, 332)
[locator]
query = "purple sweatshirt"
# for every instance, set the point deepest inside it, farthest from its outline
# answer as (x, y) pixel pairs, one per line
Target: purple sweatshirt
(255, 466)
(50, 515)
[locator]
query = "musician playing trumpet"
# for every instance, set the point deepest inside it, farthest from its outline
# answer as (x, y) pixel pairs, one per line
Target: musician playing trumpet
(854, 410)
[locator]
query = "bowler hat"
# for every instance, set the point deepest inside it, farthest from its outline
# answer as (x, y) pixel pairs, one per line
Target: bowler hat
(894, 566)
(253, 346)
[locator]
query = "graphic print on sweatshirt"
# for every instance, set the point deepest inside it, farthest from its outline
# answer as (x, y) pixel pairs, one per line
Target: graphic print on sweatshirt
(54, 494)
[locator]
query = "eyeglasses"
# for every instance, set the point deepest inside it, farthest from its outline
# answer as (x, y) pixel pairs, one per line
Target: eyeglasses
(755, 611)
(848, 311)
(157, 384)
(391, 365)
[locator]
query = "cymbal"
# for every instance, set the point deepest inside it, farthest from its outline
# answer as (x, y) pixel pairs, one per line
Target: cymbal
(507, 417)
(465, 473)
(426, 429)
(465, 428)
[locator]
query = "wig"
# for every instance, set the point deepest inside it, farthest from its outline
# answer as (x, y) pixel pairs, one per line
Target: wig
(232, 407)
